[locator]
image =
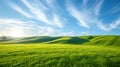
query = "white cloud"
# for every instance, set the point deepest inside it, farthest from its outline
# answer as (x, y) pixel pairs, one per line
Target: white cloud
(51, 4)
(10, 22)
(86, 16)
(29, 28)
(50, 1)
(39, 11)
(77, 14)
(113, 25)
(98, 7)
(20, 10)
(15, 22)
(8, 25)
(46, 12)
(57, 21)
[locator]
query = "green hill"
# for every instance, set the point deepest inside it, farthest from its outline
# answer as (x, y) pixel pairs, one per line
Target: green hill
(105, 40)
(37, 39)
(70, 40)
(78, 40)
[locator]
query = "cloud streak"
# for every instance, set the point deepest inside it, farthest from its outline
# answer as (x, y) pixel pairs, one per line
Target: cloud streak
(29, 28)
(98, 7)
(111, 26)
(88, 17)
(77, 15)
(39, 14)
(48, 17)
(57, 21)
(20, 10)
(38, 11)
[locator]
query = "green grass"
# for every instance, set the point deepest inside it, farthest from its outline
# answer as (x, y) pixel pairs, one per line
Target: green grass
(45, 51)
(58, 55)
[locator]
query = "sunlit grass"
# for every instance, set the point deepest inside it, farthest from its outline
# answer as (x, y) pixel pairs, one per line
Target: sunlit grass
(58, 55)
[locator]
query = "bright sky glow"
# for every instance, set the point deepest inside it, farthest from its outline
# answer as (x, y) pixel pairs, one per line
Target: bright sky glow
(20, 18)
(16, 33)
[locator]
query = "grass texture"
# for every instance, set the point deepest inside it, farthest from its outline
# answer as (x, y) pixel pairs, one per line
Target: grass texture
(58, 55)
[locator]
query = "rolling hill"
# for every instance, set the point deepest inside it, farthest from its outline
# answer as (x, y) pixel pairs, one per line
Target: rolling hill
(64, 51)
(78, 40)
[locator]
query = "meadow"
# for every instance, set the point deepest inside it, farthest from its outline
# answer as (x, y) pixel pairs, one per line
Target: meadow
(58, 55)
(64, 51)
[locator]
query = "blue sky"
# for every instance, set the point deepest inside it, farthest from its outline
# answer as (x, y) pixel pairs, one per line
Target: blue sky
(59, 17)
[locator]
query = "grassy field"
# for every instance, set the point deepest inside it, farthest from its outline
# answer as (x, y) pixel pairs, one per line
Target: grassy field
(58, 55)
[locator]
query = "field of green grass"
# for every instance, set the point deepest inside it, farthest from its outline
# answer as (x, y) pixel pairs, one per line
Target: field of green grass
(83, 51)
(58, 55)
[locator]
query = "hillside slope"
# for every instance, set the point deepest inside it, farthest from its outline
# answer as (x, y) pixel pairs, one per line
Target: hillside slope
(78, 40)
(37, 39)
(105, 40)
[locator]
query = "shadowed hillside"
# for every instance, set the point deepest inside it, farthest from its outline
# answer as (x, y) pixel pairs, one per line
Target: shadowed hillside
(38, 39)
(70, 40)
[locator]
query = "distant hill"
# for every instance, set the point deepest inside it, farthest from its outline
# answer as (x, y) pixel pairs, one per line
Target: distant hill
(5, 38)
(78, 40)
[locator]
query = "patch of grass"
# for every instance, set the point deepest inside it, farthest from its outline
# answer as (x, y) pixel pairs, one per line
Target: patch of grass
(58, 55)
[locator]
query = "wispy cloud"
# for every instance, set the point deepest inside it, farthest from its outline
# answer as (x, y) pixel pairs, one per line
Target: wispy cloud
(20, 10)
(111, 26)
(50, 2)
(98, 7)
(77, 14)
(8, 25)
(47, 17)
(39, 14)
(39, 11)
(85, 15)
(57, 21)
(29, 28)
